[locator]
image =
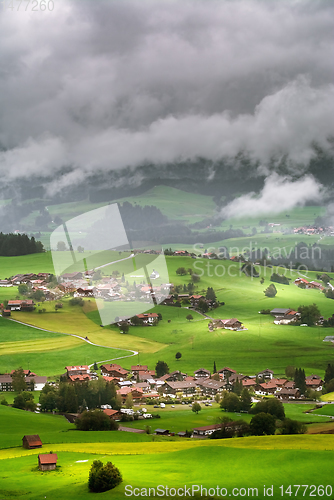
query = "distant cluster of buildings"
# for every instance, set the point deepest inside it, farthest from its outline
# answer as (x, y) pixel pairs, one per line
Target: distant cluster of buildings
(142, 383)
(310, 230)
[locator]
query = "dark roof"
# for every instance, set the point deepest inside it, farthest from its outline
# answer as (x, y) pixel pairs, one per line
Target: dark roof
(181, 384)
(208, 427)
(48, 458)
(279, 310)
(33, 440)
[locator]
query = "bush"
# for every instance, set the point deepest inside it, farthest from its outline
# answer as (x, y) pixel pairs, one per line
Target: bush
(270, 291)
(103, 477)
(76, 301)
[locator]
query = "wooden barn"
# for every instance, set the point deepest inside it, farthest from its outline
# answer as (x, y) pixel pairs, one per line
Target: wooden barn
(31, 442)
(47, 461)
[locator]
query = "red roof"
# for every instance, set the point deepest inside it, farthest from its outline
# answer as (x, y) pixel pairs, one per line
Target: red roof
(110, 412)
(139, 368)
(49, 458)
(147, 315)
(33, 440)
(80, 378)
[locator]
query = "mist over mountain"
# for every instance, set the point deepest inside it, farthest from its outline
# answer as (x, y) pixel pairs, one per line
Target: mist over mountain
(106, 99)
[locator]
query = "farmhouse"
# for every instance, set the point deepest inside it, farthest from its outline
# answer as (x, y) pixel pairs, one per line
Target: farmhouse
(206, 430)
(37, 382)
(21, 305)
(231, 324)
(162, 432)
(77, 370)
(31, 442)
(148, 318)
(288, 393)
(314, 382)
(47, 461)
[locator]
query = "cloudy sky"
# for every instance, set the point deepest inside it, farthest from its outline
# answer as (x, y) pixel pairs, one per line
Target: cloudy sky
(99, 85)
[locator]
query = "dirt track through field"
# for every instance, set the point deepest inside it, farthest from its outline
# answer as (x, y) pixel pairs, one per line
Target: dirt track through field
(85, 339)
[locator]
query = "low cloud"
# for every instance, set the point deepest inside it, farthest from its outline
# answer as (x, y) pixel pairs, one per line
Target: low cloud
(278, 195)
(135, 81)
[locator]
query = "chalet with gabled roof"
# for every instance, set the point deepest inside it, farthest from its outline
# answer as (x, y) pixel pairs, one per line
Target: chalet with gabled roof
(185, 387)
(113, 370)
(77, 370)
(226, 372)
(202, 373)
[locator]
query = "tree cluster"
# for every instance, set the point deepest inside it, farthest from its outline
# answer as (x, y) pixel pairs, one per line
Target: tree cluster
(25, 401)
(95, 420)
(74, 398)
(309, 314)
(270, 406)
(231, 402)
(19, 244)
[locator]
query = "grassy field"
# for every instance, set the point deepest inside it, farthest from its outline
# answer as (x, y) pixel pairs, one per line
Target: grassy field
(273, 462)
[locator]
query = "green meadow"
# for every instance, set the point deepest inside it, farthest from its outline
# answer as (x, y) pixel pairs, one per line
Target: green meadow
(262, 345)
(146, 460)
(237, 463)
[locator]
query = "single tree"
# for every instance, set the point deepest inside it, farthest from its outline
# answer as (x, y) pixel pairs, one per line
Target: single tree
(270, 291)
(196, 407)
(290, 371)
(210, 294)
(214, 367)
(178, 355)
(129, 401)
(18, 380)
(124, 327)
(245, 399)
(23, 289)
(329, 373)
(61, 247)
(161, 368)
(189, 317)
